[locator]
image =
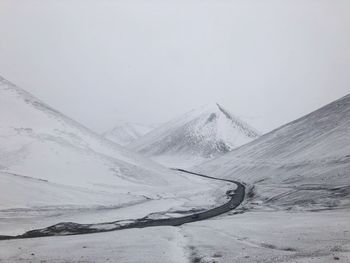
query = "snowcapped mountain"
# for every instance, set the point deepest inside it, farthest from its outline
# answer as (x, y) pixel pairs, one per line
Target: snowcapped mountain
(45, 149)
(200, 134)
(36, 139)
(127, 132)
(305, 162)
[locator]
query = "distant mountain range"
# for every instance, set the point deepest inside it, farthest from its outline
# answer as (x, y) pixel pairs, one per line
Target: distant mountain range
(127, 132)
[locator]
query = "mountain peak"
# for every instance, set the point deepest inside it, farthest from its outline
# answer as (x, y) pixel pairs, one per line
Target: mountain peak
(205, 132)
(216, 111)
(218, 105)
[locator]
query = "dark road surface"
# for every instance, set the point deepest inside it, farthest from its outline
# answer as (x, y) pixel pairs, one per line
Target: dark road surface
(65, 229)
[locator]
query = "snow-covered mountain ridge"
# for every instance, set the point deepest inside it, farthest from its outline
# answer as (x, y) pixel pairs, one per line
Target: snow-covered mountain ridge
(305, 162)
(204, 133)
(39, 142)
(52, 169)
(126, 132)
(27, 124)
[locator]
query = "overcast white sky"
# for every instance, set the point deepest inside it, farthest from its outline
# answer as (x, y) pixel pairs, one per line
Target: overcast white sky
(99, 61)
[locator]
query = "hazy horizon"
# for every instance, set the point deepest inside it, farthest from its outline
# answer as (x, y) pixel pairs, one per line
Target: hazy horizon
(150, 61)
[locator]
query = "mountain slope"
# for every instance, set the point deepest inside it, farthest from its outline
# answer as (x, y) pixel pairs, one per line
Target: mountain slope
(52, 169)
(126, 132)
(39, 142)
(305, 162)
(200, 134)
(31, 132)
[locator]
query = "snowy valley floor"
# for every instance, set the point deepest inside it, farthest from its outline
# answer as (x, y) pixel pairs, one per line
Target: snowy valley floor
(99, 206)
(249, 237)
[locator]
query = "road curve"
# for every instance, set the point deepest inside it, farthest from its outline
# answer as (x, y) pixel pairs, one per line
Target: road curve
(68, 228)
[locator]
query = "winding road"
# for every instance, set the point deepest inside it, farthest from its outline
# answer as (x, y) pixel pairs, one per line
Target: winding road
(65, 229)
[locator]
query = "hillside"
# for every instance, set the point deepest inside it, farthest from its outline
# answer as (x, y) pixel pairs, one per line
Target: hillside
(303, 163)
(198, 135)
(52, 168)
(39, 142)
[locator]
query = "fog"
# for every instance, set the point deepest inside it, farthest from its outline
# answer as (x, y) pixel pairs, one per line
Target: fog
(148, 61)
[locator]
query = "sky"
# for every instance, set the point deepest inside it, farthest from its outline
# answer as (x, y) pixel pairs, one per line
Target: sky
(147, 61)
